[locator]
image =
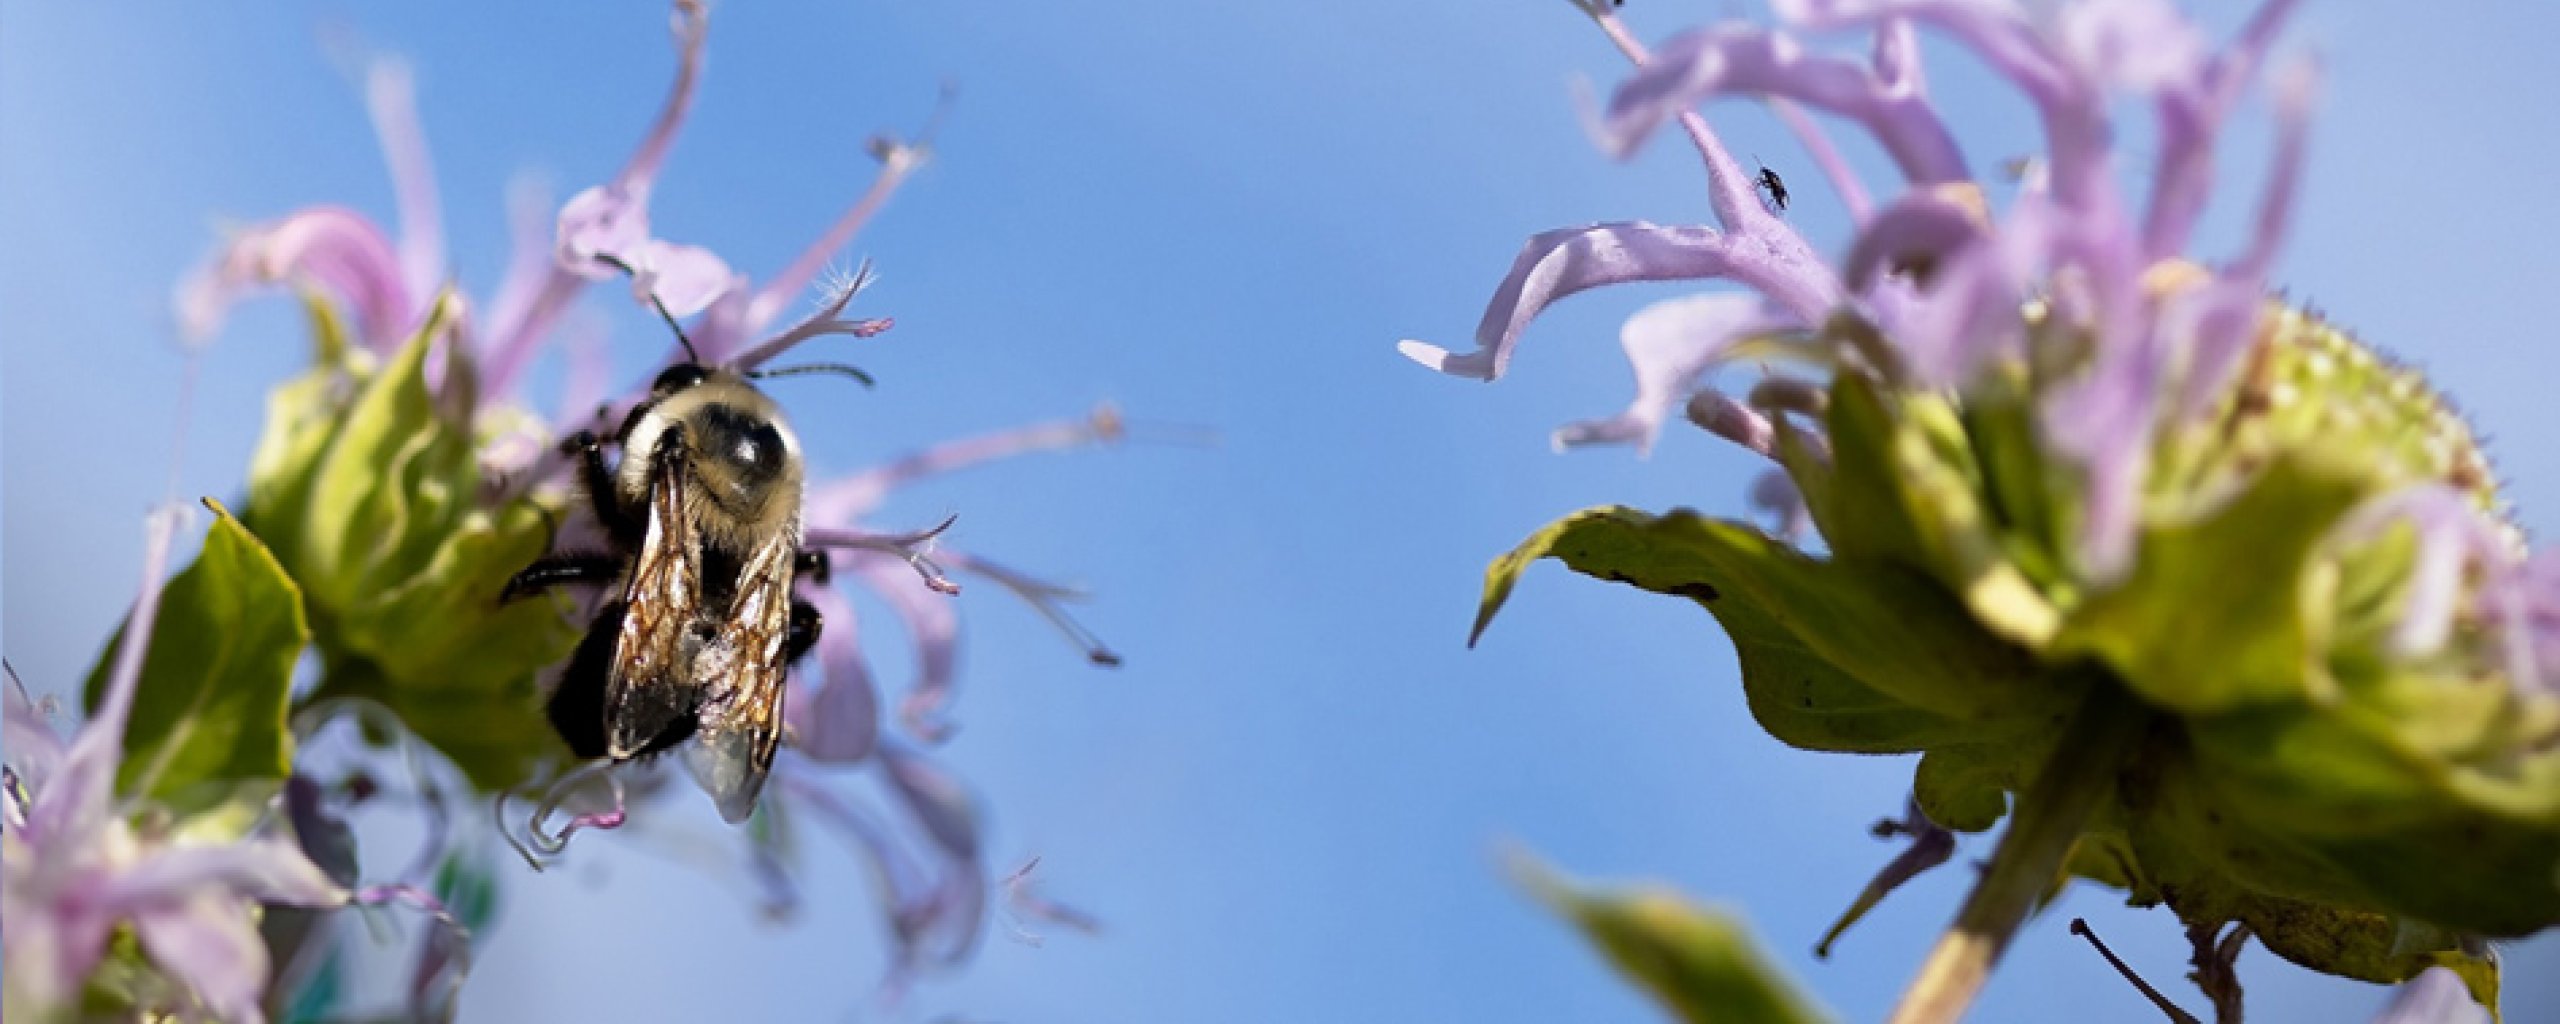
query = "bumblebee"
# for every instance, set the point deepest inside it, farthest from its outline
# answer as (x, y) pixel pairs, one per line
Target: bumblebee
(698, 626)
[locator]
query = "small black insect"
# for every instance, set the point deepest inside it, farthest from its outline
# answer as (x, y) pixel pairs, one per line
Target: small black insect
(1773, 188)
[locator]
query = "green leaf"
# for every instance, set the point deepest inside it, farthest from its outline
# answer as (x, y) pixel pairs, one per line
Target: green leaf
(2020, 492)
(2357, 944)
(2217, 612)
(1836, 654)
(210, 709)
(1966, 786)
(1866, 516)
(1703, 965)
(2380, 908)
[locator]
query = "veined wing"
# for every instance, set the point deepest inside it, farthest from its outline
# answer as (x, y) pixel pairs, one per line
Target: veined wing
(653, 686)
(742, 670)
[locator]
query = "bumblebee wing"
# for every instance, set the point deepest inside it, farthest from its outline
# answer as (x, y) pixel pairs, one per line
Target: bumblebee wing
(744, 665)
(652, 688)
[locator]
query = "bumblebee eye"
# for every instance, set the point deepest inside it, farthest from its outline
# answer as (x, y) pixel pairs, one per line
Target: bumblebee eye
(678, 377)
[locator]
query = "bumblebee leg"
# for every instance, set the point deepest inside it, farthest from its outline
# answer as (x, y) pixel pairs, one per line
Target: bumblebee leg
(598, 480)
(576, 706)
(558, 569)
(815, 565)
(805, 622)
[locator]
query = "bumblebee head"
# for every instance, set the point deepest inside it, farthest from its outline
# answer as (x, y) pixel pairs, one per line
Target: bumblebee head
(737, 442)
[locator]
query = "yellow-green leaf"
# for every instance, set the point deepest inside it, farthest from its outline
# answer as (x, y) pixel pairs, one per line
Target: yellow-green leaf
(1701, 964)
(209, 713)
(1836, 654)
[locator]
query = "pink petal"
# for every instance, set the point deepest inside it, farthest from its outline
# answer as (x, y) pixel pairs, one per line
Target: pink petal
(2104, 421)
(1920, 228)
(1963, 311)
(2435, 996)
(1562, 262)
(208, 943)
(1964, 319)
(1701, 65)
(51, 948)
(604, 220)
(828, 319)
(1719, 414)
(1995, 30)
(933, 625)
(2216, 325)
(331, 246)
(691, 23)
(268, 870)
(684, 277)
(941, 923)
(1774, 494)
(2190, 119)
(391, 97)
(2221, 321)
(70, 811)
(612, 219)
(34, 749)
(2296, 87)
(509, 343)
(2142, 46)
(1670, 344)
(1049, 599)
(838, 721)
(937, 800)
(2453, 538)
(2070, 102)
(897, 161)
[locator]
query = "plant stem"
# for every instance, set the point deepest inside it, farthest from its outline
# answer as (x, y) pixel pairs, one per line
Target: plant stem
(2047, 820)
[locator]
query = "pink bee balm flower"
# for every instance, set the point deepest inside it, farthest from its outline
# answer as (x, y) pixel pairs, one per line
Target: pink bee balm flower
(76, 869)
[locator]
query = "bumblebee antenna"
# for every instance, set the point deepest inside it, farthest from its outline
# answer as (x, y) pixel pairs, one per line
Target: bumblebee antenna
(839, 369)
(616, 263)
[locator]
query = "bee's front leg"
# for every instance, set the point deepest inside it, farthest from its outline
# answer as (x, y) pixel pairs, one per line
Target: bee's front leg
(597, 477)
(805, 623)
(558, 569)
(815, 565)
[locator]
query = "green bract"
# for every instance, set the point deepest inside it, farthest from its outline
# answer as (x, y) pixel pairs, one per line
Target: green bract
(368, 488)
(2361, 810)
(1701, 964)
(208, 727)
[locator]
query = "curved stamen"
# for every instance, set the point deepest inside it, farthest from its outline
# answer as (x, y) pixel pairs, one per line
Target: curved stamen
(914, 547)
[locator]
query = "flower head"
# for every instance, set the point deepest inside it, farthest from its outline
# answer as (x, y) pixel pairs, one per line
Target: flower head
(2054, 460)
(407, 478)
(77, 869)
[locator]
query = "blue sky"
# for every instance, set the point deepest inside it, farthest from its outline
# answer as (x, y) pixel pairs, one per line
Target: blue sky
(1287, 805)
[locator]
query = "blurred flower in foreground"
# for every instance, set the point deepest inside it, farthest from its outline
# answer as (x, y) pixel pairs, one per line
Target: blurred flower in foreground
(403, 480)
(124, 847)
(2224, 601)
